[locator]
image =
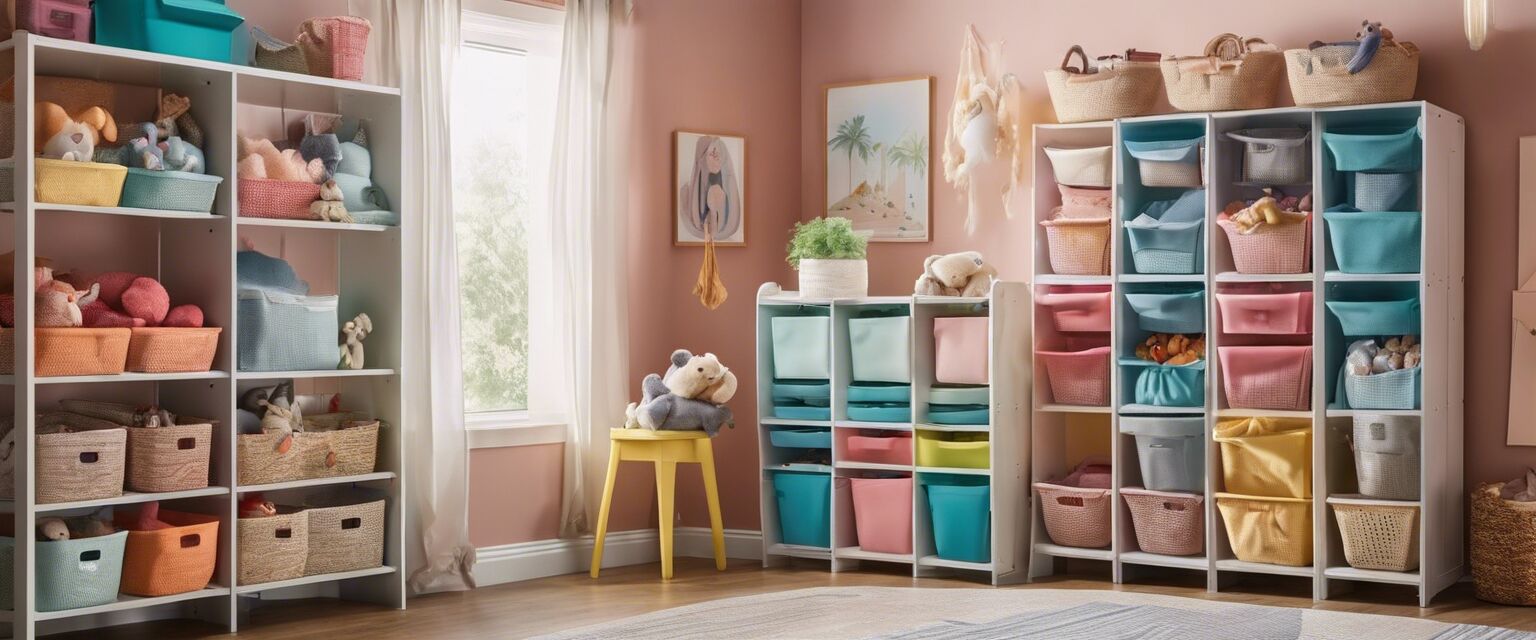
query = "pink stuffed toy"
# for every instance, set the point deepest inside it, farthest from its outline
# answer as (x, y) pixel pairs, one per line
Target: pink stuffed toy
(186, 315)
(113, 284)
(145, 298)
(101, 315)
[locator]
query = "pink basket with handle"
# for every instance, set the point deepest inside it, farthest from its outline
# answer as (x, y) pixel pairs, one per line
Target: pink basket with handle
(1269, 377)
(1075, 517)
(960, 348)
(1075, 310)
(334, 47)
(1078, 246)
(882, 514)
(1078, 377)
(895, 449)
(1287, 314)
(1284, 248)
(1170, 524)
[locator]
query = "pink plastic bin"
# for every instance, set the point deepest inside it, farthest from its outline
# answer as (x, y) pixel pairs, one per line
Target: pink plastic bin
(960, 350)
(880, 449)
(1271, 248)
(1170, 524)
(1078, 377)
(1086, 311)
(1266, 313)
(66, 19)
(1277, 378)
(882, 514)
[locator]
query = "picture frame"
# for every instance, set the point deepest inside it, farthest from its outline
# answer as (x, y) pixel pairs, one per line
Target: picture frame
(709, 187)
(878, 136)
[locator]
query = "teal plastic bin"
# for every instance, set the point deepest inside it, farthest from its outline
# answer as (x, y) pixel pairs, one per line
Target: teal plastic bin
(1395, 152)
(879, 392)
(880, 411)
(970, 414)
(1169, 312)
(71, 573)
(801, 438)
(799, 411)
(1162, 385)
(1393, 390)
(1377, 317)
(961, 511)
(805, 508)
(1374, 241)
(816, 393)
(203, 29)
(170, 190)
(1166, 247)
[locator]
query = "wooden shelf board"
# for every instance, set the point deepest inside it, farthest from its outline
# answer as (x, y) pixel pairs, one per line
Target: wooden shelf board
(1060, 551)
(874, 300)
(800, 551)
(1261, 567)
(319, 373)
(316, 482)
(50, 207)
(133, 377)
(855, 553)
(935, 561)
(1339, 276)
(1369, 575)
(1159, 560)
(128, 497)
(248, 221)
(964, 428)
(127, 602)
(1233, 276)
(325, 577)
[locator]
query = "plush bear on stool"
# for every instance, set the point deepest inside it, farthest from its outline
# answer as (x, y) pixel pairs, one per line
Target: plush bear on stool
(689, 397)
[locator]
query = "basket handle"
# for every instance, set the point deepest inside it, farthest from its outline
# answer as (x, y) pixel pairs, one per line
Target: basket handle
(1226, 46)
(191, 540)
(1173, 506)
(1066, 61)
(1069, 501)
(282, 533)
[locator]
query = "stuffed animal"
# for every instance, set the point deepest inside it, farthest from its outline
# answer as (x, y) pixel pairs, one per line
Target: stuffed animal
(323, 147)
(260, 159)
(352, 334)
(354, 172)
(330, 206)
(180, 155)
(254, 505)
(186, 315)
(58, 304)
(662, 409)
(280, 420)
(957, 274)
(64, 137)
(145, 298)
(1367, 42)
(149, 518)
(98, 523)
(700, 378)
(52, 529)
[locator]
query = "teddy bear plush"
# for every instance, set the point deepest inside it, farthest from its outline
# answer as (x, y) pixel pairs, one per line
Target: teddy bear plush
(700, 378)
(957, 274)
(660, 408)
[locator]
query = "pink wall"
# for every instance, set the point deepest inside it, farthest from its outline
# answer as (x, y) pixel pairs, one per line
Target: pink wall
(515, 494)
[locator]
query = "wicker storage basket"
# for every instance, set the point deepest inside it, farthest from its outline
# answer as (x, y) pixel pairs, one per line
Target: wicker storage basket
(1270, 249)
(1234, 73)
(1503, 547)
(1377, 534)
(1118, 89)
(261, 198)
(85, 465)
(334, 47)
(1268, 530)
(1078, 246)
(171, 458)
(1074, 516)
(1078, 378)
(1387, 456)
(63, 580)
(165, 562)
(1320, 77)
(356, 450)
(345, 538)
(93, 184)
(69, 351)
(173, 190)
(1171, 524)
(277, 55)
(172, 349)
(273, 548)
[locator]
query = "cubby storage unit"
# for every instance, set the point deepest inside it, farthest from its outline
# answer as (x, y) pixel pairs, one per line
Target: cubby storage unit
(904, 450)
(1380, 256)
(193, 254)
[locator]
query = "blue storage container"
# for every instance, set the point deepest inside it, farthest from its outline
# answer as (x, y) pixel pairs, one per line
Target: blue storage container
(287, 332)
(816, 393)
(960, 394)
(1400, 390)
(805, 507)
(801, 438)
(1166, 247)
(1168, 163)
(1380, 152)
(880, 411)
(879, 392)
(1163, 385)
(880, 348)
(971, 414)
(1384, 191)
(193, 28)
(172, 190)
(1188, 207)
(961, 511)
(1374, 241)
(802, 347)
(1366, 319)
(801, 412)
(1169, 312)
(70, 573)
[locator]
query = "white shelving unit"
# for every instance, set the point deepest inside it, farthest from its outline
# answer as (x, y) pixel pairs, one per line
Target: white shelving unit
(193, 255)
(1062, 434)
(1008, 430)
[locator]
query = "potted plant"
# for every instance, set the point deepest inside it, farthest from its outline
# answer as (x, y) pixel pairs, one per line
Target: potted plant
(830, 258)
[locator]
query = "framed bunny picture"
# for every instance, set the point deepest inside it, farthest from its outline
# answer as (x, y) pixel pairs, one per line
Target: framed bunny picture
(709, 189)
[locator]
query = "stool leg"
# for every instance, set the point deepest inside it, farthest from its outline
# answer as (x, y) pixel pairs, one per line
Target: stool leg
(666, 484)
(706, 456)
(602, 511)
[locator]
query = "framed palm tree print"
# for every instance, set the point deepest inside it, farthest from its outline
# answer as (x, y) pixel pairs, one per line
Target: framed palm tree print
(878, 169)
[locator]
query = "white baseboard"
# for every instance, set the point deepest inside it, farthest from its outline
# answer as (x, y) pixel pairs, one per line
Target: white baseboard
(545, 558)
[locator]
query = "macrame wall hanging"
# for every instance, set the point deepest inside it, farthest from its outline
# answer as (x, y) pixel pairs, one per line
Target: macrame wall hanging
(986, 122)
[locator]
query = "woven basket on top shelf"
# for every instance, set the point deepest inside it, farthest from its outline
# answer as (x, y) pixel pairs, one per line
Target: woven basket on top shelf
(1117, 89)
(273, 548)
(1320, 77)
(356, 450)
(334, 47)
(345, 538)
(273, 53)
(261, 198)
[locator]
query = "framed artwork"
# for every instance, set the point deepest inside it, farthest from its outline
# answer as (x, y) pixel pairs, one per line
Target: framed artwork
(877, 156)
(710, 189)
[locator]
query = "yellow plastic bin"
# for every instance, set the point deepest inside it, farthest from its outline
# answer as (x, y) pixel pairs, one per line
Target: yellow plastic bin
(1266, 456)
(1268, 530)
(92, 184)
(953, 450)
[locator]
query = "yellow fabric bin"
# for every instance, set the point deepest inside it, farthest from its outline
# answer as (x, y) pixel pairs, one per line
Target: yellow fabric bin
(954, 450)
(1267, 456)
(1268, 530)
(92, 184)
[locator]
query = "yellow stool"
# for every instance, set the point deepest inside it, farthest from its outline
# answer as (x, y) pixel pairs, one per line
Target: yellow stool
(665, 449)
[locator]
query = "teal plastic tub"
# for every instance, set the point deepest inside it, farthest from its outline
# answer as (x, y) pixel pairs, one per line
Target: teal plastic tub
(961, 511)
(1166, 247)
(172, 190)
(1169, 312)
(801, 438)
(960, 394)
(1374, 241)
(1162, 385)
(805, 508)
(880, 411)
(71, 573)
(203, 29)
(1377, 318)
(879, 392)
(970, 414)
(816, 393)
(790, 411)
(1396, 152)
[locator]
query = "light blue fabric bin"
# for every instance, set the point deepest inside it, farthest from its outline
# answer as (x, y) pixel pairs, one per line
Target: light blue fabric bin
(958, 414)
(70, 573)
(256, 270)
(1380, 152)
(880, 411)
(1168, 385)
(805, 508)
(801, 438)
(203, 29)
(960, 394)
(880, 348)
(1384, 191)
(798, 411)
(879, 392)
(961, 512)
(287, 332)
(1169, 450)
(1169, 312)
(816, 393)
(172, 190)
(1167, 163)
(1377, 318)
(802, 347)
(1400, 390)
(1166, 247)
(1374, 241)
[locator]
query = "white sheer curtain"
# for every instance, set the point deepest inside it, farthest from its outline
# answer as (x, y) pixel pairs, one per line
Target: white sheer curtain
(417, 52)
(587, 243)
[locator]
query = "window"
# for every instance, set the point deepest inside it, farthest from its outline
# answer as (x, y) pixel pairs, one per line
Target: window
(503, 100)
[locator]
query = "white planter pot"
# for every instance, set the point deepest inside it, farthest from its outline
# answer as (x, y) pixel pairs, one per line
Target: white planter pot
(834, 278)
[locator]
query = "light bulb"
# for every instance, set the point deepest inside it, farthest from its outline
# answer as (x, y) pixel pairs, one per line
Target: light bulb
(1477, 18)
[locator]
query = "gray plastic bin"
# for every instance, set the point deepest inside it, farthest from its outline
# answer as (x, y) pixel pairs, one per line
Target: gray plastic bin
(1171, 451)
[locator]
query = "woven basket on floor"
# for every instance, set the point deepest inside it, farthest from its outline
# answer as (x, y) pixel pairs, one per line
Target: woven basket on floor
(273, 548)
(260, 198)
(345, 538)
(1074, 516)
(86, 465)
(170, 458)
(334, 47)
(1503, 547)
(1118, 89)
(172, 349)
(1320, 77)
(356, 452)
(1251, 79)
(1171, 524)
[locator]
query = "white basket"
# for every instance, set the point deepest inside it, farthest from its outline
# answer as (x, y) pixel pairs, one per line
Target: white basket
(834, 278)
(1086, 167)
(1275, 156)
(1387, 456)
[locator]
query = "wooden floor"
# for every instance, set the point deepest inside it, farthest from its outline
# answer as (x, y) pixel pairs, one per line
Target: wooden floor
(541, 606)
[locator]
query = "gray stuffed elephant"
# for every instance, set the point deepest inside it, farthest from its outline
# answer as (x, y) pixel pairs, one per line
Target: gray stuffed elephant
(660, 409)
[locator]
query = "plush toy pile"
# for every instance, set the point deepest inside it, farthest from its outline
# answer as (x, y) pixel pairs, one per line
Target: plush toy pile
(691, 396)
(113, 299)
(332, 153)
(957, 274)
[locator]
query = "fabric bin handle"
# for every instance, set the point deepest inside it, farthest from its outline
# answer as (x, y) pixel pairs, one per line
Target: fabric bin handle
(282, 533)
(191, 540)
(1069, 501)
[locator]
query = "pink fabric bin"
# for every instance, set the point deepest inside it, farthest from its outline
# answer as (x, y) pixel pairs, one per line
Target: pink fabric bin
(1085, 202)
(882, 514)
(1271, 248)
(1278, 378)
(1266, 313)
(1078, 377)
(1075, 517)
(880, 449)
(960, 350)
(1170, 524)
(1078, 311)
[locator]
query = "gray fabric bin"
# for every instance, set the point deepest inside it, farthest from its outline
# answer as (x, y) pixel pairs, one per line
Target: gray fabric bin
(1275, 156)
(1386, 191)
(1171, 451)
(1387, 456)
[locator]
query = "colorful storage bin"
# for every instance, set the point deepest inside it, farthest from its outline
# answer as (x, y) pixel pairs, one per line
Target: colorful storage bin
(1267, 377)
(1275, 156)
(959, 414)
(1374, 241)
(1170, 524)
(1166, 385)
(273, 548)
(879, 392)
(1385, 191)
(959, 394)
(92, 184)
(1075, 517)
(1387, 456)
(63, 19)
(1078, 377)
(285, 199)
(1268, 530)
(1266, 456)
(1320, 77)
(1169, 312)
(960, 510)
(1078, 311)
(1084, 202)
(882, 514)
(805, 508)
(802, 347)
(287, 332)
(1401, 389)
(1363, 319)
(193, 28)
(801, 438)
(1083, 167)
(880, 411)
(70, 351)
(1287, 314)
(881, 348)
(961, 350)
(1377, 535)
(892, 449)
(172, 349)
(71, 574)
(173, 190)
(1168, 163)
(1078, 246)
(801, 411)
(1270, 249)
(334, 47)
(165, 562)
(344, 537)
(1395, 152)
(1167, 247)
(1169, 450)
(953, 450)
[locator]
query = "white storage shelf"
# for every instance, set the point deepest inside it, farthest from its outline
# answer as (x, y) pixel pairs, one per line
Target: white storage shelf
(193, 255)
(1062, 434)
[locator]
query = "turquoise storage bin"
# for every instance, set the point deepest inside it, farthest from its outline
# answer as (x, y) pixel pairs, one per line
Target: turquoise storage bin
(880, 411)
(1374, 241)
(70, 573)
(805, 508)
(1401, 389)
(1168, 385)
(172, 190)
(802, 412)
(961, 512)
(1379, 152)
(801, 438)
(816, 393)
(1384, 191)
(203, 29)
(879, 392)
(1168, 163)
(1166, 247)
(969, 414)
(1377, 318)
(1188, 207)
(1169, 312)
(802, 347)
(286, 332)
(960, 394)
(880, 348)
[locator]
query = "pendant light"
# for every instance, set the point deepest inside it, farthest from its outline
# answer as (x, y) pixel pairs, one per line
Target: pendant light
(1477, 18)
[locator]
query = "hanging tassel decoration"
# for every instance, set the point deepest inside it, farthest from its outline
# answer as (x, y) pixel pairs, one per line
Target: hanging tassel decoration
(709, 288)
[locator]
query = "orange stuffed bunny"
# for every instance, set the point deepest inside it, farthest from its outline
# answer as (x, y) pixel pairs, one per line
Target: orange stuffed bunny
(66, 137)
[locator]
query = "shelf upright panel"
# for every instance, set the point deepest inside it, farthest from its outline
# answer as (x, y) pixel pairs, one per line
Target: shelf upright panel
(24, 617)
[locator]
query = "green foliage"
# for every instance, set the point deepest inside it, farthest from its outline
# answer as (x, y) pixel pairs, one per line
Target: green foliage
(828, 238)
(492, 212)
(852, 137)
